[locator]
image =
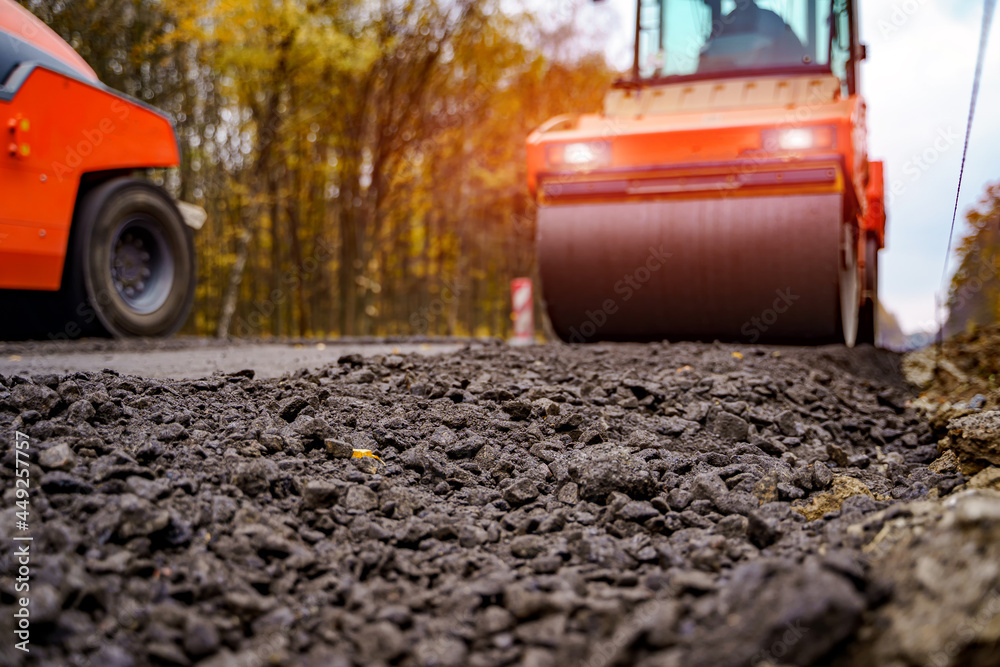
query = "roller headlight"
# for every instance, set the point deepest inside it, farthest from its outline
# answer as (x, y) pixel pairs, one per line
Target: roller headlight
(799, 139)
(579, 155)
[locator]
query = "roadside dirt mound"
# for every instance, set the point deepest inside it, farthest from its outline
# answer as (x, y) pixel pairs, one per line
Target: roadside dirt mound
(647, 505)
(960, 395)
(941, 563)
(962, 372)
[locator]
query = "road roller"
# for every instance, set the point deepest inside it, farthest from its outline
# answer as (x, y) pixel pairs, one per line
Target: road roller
(724, 191)
(89, 245)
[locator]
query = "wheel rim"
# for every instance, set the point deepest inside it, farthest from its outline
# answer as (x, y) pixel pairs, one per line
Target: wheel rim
(850, 286)
(142, 264)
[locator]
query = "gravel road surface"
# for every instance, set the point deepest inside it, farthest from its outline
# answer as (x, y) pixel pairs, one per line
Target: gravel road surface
(655, 505)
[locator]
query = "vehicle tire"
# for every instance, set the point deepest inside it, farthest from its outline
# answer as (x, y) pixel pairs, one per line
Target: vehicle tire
(133, 257)
(850, 287)
(868, 318)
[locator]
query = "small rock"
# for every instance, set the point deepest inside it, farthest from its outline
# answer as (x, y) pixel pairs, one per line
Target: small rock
(788, 423)
(694, 580)
(255, 477)
(34, 397)
(381, 642)
(822, 476)
(140, 517)
(59, 457)
(318, 493)
(789, 492)
(313, 430)
(45, 603)
(338, 449)
(170, 432)
(678, 499)
(112, 656)
(770, 446)
(947, 463)
(58, 481)
(729, 426)
(440, 651)
(272, 442)
(368, 465)
(521, 492)
(569, 493)
(843, 488)
(353, 359)
(290, 408)
(359, 497)
(148, 489)
(200, 637)
(977, 436)
(442, 437)
(466, 448)
(80, 411)
(547, 631)
(708, 486)
(988, 478)
(545, 407)
(837, 455)
(470, 535)
(858, 461)
(494, 619)
(734, 525)
(736, 502)
(166, 653)
(642, 439)
(764, 524)
(527, 546)
(518, 410)
(638, 511)
(360, 376)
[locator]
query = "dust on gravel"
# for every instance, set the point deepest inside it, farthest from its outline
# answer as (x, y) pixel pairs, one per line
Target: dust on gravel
(602, 505)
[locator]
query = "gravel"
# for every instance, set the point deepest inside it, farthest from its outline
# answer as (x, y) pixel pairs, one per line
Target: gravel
(653, 505)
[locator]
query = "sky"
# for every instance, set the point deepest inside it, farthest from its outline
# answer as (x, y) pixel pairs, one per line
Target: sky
(917, 83)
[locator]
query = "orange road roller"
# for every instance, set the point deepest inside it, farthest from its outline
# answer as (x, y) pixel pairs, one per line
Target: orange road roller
(87, 246)
(724, 191)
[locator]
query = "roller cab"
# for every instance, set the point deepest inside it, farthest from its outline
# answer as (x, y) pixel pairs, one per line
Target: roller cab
(725, 190)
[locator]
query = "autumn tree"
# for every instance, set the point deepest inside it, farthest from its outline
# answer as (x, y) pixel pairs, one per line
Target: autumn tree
(974, 298)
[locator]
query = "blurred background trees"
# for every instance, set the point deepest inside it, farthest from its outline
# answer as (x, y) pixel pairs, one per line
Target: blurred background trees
(974, 298)
(361, 161)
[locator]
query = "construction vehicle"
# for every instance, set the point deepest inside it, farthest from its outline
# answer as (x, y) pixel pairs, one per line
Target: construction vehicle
(86, 246)
(724, 191)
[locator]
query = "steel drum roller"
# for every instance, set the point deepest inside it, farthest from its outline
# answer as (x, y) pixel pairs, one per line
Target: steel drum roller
(749, 269)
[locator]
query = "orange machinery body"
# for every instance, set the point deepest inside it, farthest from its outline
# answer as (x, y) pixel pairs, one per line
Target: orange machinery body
(60, 125)
(716, 139)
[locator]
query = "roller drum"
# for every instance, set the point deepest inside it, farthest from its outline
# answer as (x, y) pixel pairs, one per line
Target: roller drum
(751, 269)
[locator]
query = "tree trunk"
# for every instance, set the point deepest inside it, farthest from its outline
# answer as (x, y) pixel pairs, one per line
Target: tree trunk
(229, 298)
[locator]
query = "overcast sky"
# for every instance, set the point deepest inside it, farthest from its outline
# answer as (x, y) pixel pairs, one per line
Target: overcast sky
(917, 83)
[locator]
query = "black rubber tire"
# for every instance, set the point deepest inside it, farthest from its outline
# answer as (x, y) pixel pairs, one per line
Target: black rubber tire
(104, 212)
(868, 318)
(849, 289)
